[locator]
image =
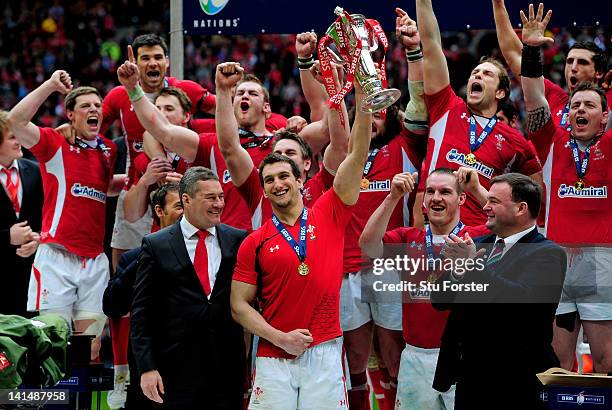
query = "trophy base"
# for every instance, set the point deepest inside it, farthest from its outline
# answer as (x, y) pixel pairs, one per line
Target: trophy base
(379, 100)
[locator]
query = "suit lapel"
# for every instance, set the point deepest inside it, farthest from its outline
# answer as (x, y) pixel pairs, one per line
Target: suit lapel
(510, 255)
(25, 174)
(221, 280)
(177, 244)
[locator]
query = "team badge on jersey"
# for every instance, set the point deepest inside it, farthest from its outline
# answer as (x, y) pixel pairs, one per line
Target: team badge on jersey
(258, 392)
(462, 159)
(87, 192)
(574, 191)
(226, 177)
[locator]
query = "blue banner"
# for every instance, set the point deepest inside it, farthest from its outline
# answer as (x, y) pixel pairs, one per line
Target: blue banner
(290, 17)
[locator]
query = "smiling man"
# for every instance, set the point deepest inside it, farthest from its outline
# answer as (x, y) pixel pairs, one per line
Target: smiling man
(187, 347)
(70, 270)
(422, 325)
(469, 133)
(579, 206)
(295, 260)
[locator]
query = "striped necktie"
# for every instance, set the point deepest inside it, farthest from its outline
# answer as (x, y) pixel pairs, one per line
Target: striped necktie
(498, 251)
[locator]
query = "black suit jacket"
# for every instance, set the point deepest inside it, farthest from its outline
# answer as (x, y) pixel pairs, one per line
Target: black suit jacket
(174, 327)
(17, 269)
(509, 327)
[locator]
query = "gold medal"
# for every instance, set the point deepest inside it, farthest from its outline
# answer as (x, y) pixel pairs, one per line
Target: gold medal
(579, 185)
(303, 269)
(432, 278)
(365, 183)
(470, 159)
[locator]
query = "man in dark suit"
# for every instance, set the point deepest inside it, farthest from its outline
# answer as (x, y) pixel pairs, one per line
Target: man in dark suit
(502, 310)
(186, 345)
(21, 198)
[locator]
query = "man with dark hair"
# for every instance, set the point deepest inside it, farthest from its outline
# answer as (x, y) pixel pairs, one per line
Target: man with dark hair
(70, 269)
(183, 337)
(469, 133)
(295, 260)
(585, 61)
(579, 205)
(151, 56)
(495, 302)
(422, 325)
(21, 203)
(508, 113)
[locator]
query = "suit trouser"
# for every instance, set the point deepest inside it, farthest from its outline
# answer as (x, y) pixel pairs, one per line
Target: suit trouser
(504, 393)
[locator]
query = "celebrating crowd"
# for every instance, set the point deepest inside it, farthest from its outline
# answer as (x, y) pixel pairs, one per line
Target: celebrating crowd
(244, 241)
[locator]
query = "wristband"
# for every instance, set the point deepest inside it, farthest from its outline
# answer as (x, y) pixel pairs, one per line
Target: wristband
(531, 62)
(304, 63)
(414, 55)
(136, 94)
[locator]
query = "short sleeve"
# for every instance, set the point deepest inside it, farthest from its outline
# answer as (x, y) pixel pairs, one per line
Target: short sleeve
(245, 264)
(110, 108)
(529, 163)
(48, 144)
(440, 102)
(397, 235)
(251, 191)
(205, 146)
(543, 138)
(555, 95)
(331, 205)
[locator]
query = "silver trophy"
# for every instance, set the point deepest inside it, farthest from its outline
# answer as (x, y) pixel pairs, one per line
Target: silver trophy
(345, 33)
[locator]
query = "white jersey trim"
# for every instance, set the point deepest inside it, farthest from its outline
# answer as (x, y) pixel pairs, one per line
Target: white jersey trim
(55, 167)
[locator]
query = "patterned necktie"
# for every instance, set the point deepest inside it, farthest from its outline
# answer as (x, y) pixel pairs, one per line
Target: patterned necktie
(200, 261)
(12, 188)
(498, 251)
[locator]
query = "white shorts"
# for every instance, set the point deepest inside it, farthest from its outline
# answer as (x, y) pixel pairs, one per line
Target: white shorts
(128, 235)
(359, 304)
(62, 280)
(588, 283)
(414, 381)
(313, 381)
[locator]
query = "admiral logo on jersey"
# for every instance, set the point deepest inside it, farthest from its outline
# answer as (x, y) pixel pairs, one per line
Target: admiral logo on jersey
(569, 191)
(377, 186)
(87, 192)
(459, 158)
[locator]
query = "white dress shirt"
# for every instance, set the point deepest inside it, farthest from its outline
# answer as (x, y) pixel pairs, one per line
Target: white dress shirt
(14, 178)
(212, 248)
(512, 239)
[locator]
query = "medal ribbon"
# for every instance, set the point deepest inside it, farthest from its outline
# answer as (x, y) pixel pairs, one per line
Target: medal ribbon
(257, 140)
(581, 166)
(100, 145)
(476, 143)
(429, 241)
(299, 248)
(564, 118)
(370, 161)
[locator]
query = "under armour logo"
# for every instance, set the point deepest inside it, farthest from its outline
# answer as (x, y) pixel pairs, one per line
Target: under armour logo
(274, 248)
(343, 402)
(75, 149)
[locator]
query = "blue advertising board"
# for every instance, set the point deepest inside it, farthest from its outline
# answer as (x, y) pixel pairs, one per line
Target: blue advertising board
(290, 17)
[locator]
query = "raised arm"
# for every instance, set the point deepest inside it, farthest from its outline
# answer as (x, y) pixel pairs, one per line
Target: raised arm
(509, 43)
(20, 116)
(305, 46)
(435, 68)
(178, 139)
(416, 115)
(371, 240)
(239, 162)
(337, 149)
(348, 177)
(532, 79)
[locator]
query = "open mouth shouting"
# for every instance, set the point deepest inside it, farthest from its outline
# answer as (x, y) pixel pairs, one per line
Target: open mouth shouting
(154, 75)
(476, 89)
(573, 80)
(244, 106)
(93, 122)
(437, 209)
(581, 122)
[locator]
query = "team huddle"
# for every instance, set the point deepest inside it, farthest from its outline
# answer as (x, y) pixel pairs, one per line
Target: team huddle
(243, 243)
